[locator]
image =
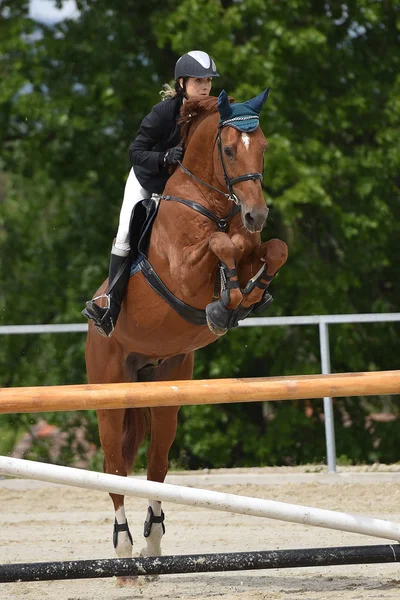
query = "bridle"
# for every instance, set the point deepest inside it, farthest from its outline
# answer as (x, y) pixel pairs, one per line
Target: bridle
(222, 223)
(229, 181)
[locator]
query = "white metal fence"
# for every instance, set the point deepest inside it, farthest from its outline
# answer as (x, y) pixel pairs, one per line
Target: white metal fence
(323, 322)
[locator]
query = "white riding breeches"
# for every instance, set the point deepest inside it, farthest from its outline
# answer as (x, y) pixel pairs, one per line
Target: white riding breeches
(133, 193)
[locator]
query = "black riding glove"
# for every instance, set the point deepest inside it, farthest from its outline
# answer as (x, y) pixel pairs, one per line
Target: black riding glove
(172, 156)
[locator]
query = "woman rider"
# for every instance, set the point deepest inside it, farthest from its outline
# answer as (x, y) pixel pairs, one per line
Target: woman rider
(153, 151)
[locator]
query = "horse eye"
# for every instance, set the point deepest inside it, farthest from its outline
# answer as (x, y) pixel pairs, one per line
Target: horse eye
(228, 151)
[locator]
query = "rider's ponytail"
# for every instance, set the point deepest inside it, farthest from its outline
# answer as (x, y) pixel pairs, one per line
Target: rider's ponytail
(168, 92)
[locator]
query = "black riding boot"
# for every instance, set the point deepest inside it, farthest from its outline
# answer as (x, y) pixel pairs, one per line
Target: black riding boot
(105, 318)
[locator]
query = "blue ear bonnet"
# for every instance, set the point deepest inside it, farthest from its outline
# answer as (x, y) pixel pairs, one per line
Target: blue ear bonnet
(243, 116)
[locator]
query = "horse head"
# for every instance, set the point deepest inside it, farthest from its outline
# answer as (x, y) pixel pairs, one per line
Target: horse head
(241, 146)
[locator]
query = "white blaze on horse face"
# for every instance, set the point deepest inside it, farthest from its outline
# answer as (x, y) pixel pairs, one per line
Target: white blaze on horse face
(246, 140)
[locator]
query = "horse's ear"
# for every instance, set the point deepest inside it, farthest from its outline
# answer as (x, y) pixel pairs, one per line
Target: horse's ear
(224, 108)
(258, 102)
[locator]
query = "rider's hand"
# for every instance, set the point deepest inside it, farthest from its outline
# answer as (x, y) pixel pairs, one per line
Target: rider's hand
(172, 156)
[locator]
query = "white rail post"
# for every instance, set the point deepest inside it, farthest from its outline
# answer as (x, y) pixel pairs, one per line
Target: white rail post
(328, 404)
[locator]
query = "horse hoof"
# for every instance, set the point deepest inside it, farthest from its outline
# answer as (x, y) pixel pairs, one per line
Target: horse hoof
(145, 553)
(153, 553)
(127, 581)
(215, 330)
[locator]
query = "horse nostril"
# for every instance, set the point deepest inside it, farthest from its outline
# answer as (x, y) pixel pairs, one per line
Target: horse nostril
(255, 220)
(249, 219)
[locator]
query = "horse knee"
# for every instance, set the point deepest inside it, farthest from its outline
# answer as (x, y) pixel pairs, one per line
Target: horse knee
(276, 253)
(223, 248)
(277, 249)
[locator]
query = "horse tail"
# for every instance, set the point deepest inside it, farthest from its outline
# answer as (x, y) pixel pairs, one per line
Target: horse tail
(135, 428)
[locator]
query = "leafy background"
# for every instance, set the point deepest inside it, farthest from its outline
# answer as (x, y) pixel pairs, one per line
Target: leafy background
(72, 95)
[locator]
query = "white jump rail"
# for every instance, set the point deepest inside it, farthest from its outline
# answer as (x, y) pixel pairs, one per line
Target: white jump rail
(164, 492)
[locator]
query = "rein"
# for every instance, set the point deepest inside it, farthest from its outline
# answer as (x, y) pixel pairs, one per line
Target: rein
(221, 223)
(211, 187)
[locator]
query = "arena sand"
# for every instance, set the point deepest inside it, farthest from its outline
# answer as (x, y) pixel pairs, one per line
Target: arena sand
(44, 522)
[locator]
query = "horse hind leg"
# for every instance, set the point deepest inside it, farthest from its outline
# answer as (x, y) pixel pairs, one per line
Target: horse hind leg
(110, 428)
(105, 364)
(163, 430)
(121, 432)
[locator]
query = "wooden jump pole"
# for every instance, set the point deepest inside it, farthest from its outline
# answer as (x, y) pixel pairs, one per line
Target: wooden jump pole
(206, 391)
(233, 503)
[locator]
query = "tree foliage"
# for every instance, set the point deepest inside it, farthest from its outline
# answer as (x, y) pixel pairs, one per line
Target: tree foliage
(72, 96)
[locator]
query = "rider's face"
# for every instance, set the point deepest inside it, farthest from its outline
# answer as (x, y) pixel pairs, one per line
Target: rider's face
(197, 86)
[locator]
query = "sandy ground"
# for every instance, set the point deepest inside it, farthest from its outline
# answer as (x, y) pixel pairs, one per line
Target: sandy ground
(42, 522)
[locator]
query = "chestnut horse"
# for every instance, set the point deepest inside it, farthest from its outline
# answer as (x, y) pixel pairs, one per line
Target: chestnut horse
(205, 268)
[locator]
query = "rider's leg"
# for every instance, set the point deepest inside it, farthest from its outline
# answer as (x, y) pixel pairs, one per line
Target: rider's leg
(105, 318)
(132, 195)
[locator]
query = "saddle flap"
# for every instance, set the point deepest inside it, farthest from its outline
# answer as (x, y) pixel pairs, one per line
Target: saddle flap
(141, 223)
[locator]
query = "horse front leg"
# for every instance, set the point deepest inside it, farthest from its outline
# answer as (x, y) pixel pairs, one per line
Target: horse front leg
(264, 263)
(222, 314)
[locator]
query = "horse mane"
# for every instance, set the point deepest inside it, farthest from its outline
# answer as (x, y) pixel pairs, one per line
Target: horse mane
(192, 110)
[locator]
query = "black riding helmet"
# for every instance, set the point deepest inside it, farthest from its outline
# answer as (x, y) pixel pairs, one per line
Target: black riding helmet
(195, 64)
